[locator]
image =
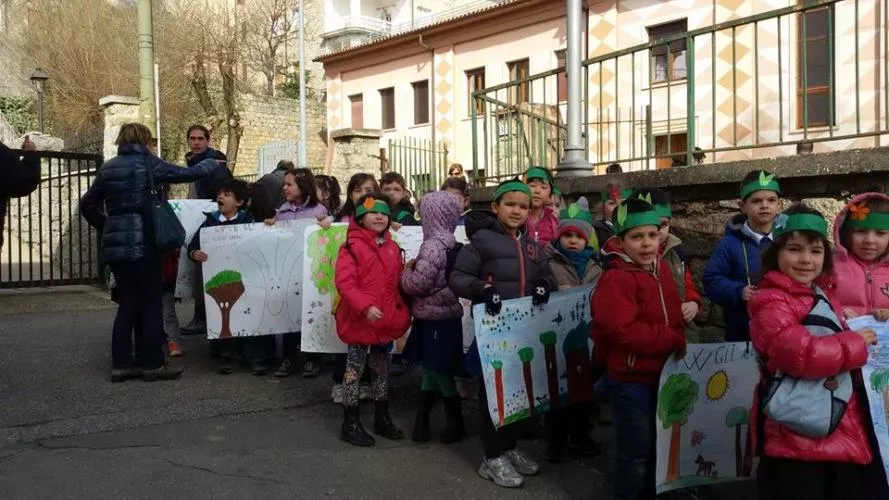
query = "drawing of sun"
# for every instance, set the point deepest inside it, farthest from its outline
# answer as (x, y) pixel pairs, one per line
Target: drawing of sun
(717, 386)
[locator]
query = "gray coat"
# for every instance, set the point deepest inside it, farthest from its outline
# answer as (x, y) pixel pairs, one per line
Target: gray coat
(512, 265)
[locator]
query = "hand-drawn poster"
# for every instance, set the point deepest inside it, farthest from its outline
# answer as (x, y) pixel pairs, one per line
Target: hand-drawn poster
(876, 380)
(535, 358)
(703, 406)
(252, 282)
(191, 215)
(319, 293)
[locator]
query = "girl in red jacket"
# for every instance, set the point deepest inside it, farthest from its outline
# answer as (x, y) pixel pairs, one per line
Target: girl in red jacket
(811, 410)
(637, 324)
(371, 314)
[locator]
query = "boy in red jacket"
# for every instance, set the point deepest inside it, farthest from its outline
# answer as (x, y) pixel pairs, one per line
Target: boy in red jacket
(637, 324)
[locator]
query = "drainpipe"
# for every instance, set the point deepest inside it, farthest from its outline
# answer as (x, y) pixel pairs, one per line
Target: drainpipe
(574, 162)
(434, 151)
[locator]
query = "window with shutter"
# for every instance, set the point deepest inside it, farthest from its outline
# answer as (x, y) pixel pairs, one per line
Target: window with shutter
(668, 58)
(387, 100)
(475, 81)
(815, 65)
(421, 102)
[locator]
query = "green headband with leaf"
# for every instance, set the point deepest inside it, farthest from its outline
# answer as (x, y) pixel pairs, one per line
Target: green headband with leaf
(861, 217)
(785, 224)
(510, 186)
(662, 209)
(628, 220)
(372, 205)
(765, 182)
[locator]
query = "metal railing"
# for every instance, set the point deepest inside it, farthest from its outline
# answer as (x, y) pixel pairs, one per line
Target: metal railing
(423, 165)
(46, 241)
(731, 91)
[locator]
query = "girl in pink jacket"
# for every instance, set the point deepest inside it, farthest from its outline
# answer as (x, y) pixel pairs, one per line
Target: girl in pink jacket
(810, 412)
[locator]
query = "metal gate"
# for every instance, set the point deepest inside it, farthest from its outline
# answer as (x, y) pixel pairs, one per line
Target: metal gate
(46, 241)
(273, 152)
(423, 165)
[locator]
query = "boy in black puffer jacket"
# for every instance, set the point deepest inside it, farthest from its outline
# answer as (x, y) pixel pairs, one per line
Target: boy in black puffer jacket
(500, 263)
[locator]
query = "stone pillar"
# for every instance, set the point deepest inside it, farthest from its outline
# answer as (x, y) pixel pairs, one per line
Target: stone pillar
(118, 111)
(355, 151)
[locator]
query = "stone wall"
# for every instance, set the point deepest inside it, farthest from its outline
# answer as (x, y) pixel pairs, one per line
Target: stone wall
(269, 119)
(705, 197)
(355, 151)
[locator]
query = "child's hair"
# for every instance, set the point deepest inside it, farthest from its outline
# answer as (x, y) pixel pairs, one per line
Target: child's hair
(331, 186)
(770, 255)
(356, 180)
(237, 188)
(614, 168)
(457, 183)
(305, 181)
(260, 204)
(393, 177)
(873, 205)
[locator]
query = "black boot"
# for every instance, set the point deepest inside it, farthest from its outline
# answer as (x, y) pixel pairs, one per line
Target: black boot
(383, 425)
(353, 432)
(421, 423)
(454, 429)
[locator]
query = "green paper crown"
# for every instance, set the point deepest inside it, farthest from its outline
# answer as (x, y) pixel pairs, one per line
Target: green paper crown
(510, 186)
(799, 222)
(372, 205)
(765, 182)
(662, 209)
(628, 220)
(574, 211)
(861, 217)
(539, 173)
(623, 194)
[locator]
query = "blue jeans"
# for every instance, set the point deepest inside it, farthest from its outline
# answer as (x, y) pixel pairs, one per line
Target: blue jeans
(633, 416)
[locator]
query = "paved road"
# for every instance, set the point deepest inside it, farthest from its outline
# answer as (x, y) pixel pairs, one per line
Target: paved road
(66, 432)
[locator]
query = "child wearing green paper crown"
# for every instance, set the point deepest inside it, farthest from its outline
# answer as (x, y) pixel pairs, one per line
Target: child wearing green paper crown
(734, 268)
(637, 324)
(542, 220)
(610, 199)
(574, 262)
(671, 251)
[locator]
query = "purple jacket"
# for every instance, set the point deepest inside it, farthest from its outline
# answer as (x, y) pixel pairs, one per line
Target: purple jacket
(426, 283)
(289, 211)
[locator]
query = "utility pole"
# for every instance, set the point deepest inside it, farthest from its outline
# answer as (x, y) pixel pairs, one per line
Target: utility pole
(574, 162)
(302, 85)
(147, 109)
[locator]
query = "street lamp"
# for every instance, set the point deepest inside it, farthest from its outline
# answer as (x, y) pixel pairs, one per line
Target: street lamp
(38, 79)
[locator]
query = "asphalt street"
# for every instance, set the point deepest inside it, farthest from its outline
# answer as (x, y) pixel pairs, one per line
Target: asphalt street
(67, 432)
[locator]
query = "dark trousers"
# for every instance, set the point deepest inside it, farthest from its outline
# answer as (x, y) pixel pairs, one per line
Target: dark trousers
(495, 442)
(784, 479)
(200, 308)
(633, 412)
(568, 423)
(290, 347)
(139, 291)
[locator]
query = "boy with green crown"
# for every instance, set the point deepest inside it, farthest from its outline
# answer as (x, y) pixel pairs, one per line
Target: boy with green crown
(734, 268)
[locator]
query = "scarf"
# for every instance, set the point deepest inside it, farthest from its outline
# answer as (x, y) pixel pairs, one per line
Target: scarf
(580, 259)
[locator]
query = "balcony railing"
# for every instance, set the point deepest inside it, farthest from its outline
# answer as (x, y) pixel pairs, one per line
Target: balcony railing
(369, 24)
(731, 91)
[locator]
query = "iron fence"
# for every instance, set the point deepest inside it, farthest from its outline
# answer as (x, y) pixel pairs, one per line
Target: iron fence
(812, 76)
(422, 163)
(46, 241)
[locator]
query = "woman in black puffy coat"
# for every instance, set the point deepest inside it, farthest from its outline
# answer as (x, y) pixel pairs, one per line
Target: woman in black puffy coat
(115, 205)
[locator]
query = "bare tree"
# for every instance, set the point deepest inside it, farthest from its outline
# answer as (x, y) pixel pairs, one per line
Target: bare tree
(267, 27)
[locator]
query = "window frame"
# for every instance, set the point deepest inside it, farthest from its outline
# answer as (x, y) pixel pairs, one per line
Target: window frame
(472, 76)
(670, 50)
(353, 100)
(802, 68)
(520, 93)
(562, 78)
(424, 106)
(383, 122)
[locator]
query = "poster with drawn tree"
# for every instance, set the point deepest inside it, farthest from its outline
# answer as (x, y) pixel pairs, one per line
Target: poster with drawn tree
(876, 381)
(191, 216)
(703, 406)
(320, 297)
(252, 283)
(535, 358)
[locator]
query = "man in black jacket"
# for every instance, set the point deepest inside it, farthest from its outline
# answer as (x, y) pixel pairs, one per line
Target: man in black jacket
(205, 189)
(19, 176)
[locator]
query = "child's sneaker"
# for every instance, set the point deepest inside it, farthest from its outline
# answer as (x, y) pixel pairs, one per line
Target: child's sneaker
(285, 369)
(523, 465)
(501, 471)
(175, 349)
(336, 394)
(311, 369)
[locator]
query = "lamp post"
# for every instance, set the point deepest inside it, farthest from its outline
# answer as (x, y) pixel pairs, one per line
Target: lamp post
(574, 162)
(38, 79)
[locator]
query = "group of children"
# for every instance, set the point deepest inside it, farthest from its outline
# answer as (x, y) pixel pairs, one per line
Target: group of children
(781, 286)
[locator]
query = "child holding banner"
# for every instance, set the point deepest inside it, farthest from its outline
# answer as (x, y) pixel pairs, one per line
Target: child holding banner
(637, 324)
(300, 202)
(813, 430)
(501, 262)
(574, 262)
(861, 273)
(370, 316)
(733, 270)
(436, 338)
